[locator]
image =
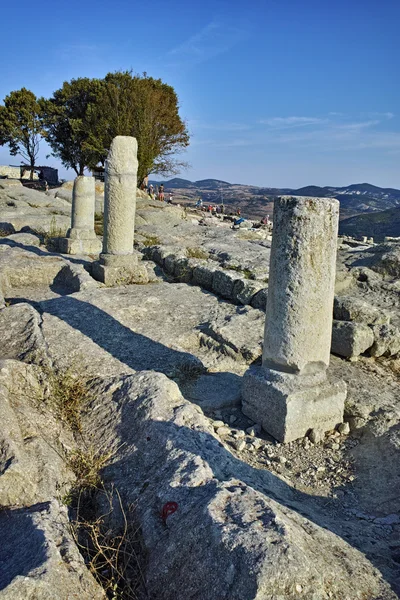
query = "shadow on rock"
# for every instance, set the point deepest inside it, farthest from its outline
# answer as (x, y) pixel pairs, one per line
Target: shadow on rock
(135, 350)
(23, 547)
(236, 529)
(43, 253)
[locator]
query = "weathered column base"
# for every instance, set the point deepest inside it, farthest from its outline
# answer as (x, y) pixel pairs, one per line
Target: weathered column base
(287, 406)
(79, 241)
(114, 269)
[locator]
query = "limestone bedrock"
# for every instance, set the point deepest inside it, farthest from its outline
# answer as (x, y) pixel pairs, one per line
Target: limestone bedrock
(292, 394)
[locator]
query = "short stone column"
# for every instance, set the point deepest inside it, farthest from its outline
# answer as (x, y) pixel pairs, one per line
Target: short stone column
(290, 393)
(81, 237)
(118, 263)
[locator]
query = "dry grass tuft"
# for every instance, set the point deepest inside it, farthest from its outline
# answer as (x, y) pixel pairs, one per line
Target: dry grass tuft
(114, 554)
(69, 393)
(86, 466)
(47, 237)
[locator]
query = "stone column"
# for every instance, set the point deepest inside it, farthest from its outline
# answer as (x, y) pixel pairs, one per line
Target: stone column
(81, 237)
(290, 394)
(118, 263)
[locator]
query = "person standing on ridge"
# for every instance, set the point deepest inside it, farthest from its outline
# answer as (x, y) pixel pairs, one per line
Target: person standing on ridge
(161, 193)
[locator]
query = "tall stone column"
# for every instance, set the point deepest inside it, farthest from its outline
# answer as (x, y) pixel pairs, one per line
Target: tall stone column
(118, 263)
(290, 394)
(81, 237)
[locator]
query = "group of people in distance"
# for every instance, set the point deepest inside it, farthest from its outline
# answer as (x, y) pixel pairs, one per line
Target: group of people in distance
(159, 194)
(218, 209)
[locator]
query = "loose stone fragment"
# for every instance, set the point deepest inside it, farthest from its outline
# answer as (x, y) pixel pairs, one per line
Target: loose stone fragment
(344, 428)
(223, 431)
(315, 436)
(351, 339)
(240, 445)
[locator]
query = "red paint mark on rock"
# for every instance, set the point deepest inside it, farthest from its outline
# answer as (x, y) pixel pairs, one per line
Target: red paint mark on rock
(168, 509)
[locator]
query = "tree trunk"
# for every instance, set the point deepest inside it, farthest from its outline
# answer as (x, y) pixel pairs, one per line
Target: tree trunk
(32, 167)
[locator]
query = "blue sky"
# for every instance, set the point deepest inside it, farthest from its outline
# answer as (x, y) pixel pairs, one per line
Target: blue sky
(277, 93)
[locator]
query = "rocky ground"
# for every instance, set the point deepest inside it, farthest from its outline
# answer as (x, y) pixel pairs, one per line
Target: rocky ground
(317, 518)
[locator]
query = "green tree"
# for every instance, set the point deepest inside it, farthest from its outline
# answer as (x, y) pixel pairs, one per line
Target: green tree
(66, 122)
(21, 125)
(142, 107)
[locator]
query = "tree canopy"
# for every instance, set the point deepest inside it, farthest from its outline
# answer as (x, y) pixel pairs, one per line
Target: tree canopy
(21, 125)
(66, 123)
(142, 107)
(84, 116)
(81, 119)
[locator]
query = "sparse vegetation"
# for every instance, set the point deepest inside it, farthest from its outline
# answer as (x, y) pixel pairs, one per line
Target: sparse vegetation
(86, 466)
(113, 553)
(46, 237)
(187, 372)
(151, 240)
(246, 273)
(67, 395)
(99, 223)
(197, 253)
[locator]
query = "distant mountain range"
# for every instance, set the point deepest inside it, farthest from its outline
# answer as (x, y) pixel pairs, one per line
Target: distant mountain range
(365, 209)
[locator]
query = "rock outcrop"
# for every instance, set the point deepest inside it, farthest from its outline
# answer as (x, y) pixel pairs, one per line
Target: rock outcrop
(223, 510)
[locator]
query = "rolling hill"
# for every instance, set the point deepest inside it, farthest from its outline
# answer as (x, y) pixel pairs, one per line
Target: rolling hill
(375, 224)
(361, 199)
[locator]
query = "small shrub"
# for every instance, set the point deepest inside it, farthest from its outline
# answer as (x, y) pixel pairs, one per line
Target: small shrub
(197, 253)
(151, 240)
(187, 372)
(99, 224)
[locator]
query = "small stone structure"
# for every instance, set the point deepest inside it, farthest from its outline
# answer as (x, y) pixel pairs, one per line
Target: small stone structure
(10, 172)
(81, 237)
(118, 263)
(290, 394)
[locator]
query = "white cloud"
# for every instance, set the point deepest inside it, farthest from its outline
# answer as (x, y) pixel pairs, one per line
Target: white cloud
(218, 126)
(359, 125)
(286, 122)
(214, 39)
(379, 115)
